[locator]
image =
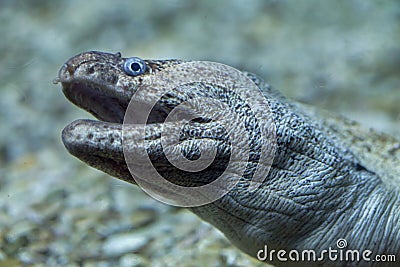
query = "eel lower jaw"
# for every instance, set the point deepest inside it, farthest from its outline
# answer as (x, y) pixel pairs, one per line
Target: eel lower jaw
(98, 144)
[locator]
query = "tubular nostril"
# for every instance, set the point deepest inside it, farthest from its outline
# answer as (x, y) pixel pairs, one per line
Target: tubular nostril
(65, 73)
(70, 68)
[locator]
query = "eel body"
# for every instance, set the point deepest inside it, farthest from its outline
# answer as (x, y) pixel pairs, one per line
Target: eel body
(328, 180)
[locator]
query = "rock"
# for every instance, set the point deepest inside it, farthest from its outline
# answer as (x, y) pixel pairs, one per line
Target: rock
(123, 243)
(133, 260)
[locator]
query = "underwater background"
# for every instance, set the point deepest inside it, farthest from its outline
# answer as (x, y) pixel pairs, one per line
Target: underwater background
(343, 56)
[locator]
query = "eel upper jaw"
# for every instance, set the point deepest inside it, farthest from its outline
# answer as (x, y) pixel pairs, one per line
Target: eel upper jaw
(92, 95)
(93, 99)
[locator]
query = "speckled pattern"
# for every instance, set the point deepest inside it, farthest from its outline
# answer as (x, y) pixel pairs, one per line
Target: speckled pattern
(319, 187)
(54, 211)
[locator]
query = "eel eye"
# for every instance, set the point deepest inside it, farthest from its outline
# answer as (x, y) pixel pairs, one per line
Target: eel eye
(134, 66)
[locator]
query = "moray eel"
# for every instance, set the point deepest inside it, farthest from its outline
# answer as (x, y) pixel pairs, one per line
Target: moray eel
(330, 180)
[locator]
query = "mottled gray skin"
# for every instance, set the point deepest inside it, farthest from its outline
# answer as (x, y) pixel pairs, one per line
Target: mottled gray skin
(330, 179)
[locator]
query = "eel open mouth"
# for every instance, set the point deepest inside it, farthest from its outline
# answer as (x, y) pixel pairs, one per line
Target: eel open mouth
(100, 84)
(103, 85)
(91, 81)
